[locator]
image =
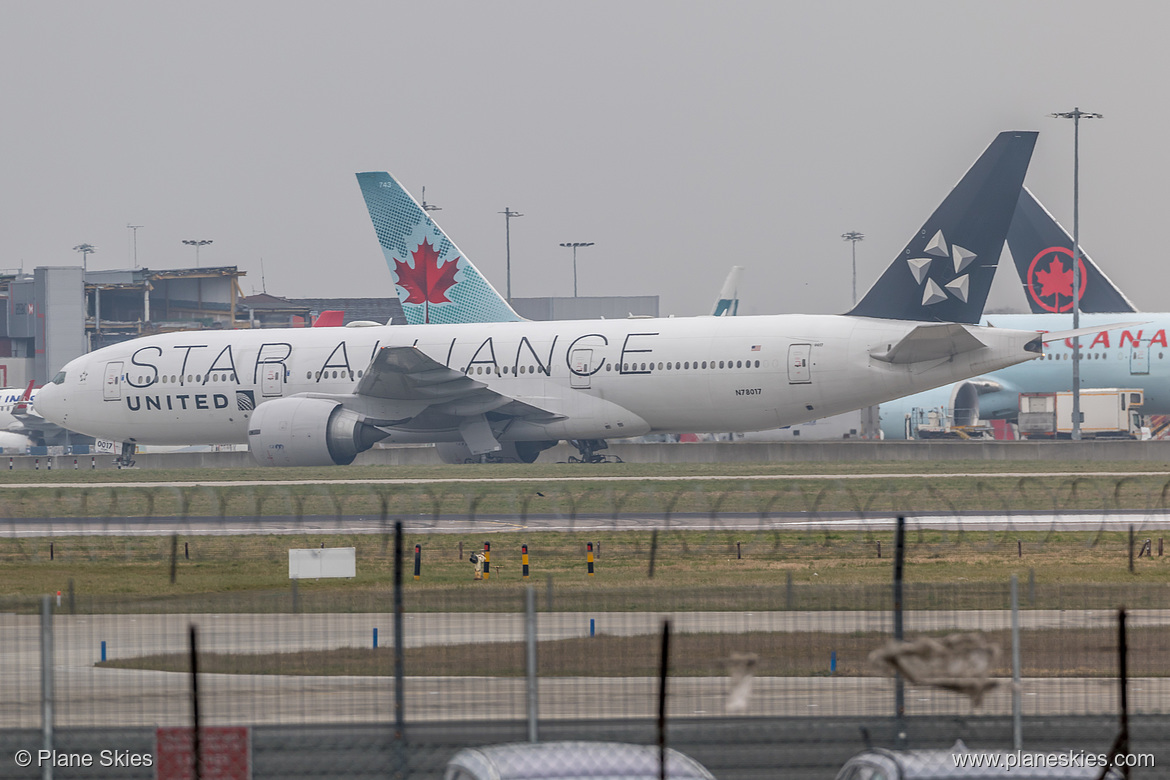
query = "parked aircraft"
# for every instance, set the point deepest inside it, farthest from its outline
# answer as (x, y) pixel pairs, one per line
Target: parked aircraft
(727, 304)
(1132, 356)
(317, 396)
(21, 426)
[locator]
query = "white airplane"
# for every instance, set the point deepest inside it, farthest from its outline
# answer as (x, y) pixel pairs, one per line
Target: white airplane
(510, 389)
(20, 425)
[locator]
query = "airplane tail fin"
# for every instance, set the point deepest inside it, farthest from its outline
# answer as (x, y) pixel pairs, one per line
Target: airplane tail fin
(332, 318)
(727, 305)
(1042, 251)
(944, 274)
(435, 280)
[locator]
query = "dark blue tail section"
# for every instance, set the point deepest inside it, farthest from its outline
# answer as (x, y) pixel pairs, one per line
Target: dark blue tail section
(1042, 251)
(944, 274)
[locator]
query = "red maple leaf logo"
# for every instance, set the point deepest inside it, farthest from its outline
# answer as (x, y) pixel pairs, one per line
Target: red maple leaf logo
(1055, 280)
(1052, 287)
(426, 282)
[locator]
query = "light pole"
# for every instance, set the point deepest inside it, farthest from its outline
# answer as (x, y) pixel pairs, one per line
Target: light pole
(197, 243)
(574, 246)
(1076, 115)
(428, 206)
(86, 250)
(508, 214)
(134, 228)
(854, 236)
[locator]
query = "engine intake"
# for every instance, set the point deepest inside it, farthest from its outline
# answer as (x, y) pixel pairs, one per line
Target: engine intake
(308, 432)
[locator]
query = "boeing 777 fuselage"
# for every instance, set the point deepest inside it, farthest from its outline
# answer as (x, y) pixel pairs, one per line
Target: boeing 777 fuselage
(578, 380)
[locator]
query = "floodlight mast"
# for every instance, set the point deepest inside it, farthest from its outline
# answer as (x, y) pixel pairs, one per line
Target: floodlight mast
(854, 237)
(134, 228)
(1076, 115)
(508, 214)
(197, 243)
(86, 250)
(574, 246)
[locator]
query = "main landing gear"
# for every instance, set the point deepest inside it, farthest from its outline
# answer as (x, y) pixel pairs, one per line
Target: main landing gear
(589, 451)
(126, 459)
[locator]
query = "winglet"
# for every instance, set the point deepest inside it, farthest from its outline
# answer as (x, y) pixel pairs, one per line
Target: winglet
(944, 274)
(1042, 251)
(435, 280)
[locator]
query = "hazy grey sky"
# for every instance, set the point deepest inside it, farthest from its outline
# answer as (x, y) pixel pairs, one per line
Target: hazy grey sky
(680, 137)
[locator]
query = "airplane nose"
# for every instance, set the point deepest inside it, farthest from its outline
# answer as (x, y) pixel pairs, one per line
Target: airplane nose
(49, 403)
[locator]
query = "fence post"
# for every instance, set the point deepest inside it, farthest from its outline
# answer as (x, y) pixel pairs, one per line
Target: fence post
(196, 747)
(524, 565)
(46, 683)
(548, 599)
(487, 559)
(1131, 549)
(530, 657)
(400, 658)
(899, 683)
(1017, 714)
(417, 561)
(788, 591)
(653, 552)
(662, 669)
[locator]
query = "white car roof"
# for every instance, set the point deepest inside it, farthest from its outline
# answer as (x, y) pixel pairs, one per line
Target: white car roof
(572, 761)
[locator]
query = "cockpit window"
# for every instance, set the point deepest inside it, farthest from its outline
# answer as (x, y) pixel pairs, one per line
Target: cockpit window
(60, 378)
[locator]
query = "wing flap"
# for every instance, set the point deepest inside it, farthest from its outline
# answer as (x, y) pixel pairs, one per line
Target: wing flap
(929, 342)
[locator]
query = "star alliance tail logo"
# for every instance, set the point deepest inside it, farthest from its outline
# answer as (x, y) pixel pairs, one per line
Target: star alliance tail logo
(1050, 279)
(958, 287)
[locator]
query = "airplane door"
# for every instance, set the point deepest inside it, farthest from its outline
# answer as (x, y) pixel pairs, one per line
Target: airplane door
(582, 363)
(272, 380)
(1139, 359)
(799, 364)
(112, 385)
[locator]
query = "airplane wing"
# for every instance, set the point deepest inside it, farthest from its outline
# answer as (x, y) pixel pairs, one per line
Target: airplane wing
(405, 387)
(408, 376)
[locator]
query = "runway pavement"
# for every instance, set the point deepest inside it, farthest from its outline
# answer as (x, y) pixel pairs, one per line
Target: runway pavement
(623, 521)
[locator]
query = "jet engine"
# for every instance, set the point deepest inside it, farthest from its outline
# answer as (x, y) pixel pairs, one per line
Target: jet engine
(301, 431)
(509, 452)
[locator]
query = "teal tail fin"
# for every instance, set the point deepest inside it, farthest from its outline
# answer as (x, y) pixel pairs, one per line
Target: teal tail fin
(435, 280)
(727, 304)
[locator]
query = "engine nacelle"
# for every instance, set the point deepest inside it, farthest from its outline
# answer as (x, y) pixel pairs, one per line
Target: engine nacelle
(301, 431)
(509, 452)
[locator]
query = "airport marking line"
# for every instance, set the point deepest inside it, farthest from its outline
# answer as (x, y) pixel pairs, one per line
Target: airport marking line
(491, 480)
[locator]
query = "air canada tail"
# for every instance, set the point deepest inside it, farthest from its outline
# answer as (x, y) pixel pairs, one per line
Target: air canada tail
(435, 280)
(1042, 251)
(944, 274)
(727, 304)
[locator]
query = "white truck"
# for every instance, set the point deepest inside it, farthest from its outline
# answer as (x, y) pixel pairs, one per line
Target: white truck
(1105, 413)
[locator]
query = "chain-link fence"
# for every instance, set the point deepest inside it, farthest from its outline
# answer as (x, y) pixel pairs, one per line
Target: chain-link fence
(773, 620)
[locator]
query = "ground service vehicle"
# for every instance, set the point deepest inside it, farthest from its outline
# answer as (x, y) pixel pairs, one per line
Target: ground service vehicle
(1105, 413)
